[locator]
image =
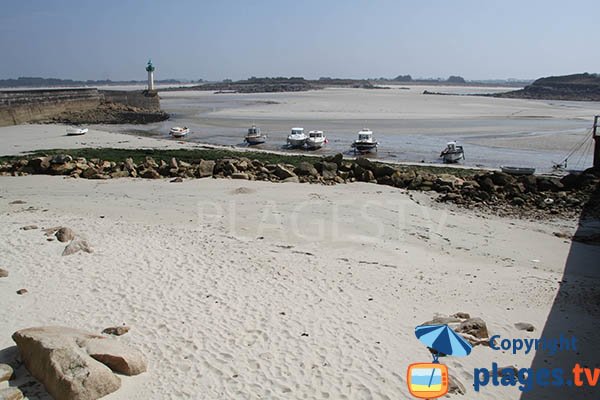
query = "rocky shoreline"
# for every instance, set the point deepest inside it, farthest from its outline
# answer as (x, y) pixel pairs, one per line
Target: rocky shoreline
(535, 197)
(109, 113)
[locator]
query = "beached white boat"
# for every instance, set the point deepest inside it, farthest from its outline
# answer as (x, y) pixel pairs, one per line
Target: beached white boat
(75, 131)
(178, 132)
(517, 170)
(254, 136)
(315, 140)
(297, 138)
(365, 142)
(453, 153)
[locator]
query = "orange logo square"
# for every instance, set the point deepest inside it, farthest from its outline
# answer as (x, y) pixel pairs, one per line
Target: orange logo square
(427, 380)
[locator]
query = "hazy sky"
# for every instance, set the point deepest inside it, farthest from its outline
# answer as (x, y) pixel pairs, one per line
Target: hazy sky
(477, 39)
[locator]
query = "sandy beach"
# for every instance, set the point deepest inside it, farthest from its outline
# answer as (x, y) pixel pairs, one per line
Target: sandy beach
(237, 289)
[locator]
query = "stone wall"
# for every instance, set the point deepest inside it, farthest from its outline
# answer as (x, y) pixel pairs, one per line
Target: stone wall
(147, 100)
(21, 106)
(17, 107)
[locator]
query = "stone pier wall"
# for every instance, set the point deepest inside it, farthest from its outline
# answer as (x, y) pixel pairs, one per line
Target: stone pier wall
(21, 106)
(17, 107)
(147, 100)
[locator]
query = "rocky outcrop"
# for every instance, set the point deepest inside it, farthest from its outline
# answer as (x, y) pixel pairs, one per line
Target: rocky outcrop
(494, 191)
(74, 364)
(581, 87)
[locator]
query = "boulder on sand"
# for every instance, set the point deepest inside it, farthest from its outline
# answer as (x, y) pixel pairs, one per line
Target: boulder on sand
(6, 372)
(76, 246)
(74, 364)
(65, 234)
(11, 393)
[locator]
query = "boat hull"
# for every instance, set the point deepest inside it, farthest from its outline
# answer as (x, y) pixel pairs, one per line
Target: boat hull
(314, 145)
(179, 132)
(364, 147)
(255, 140)
(76, 132)
(293, 142)
(451, 158)
(517, 170)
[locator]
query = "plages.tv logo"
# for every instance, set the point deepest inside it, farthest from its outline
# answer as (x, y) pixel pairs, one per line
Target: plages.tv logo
(429, 380)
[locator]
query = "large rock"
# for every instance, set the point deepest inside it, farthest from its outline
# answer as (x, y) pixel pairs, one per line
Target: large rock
(76, 246)
(11, 393)
(501, 178)
(3, 273)
(65, 234)
(116, 355)
(306, 169)
(205, 168)
(328, 170)
(61, 159)
(402, 178)
(240, 175)
(282, 172)
(6, 372)
(62, 169)
(40, 165)
(129, 164)
(364, 163)
(90, 172)
(57, 357)
(384, 170)
(475, 327)
(337, 158)
(150, 173)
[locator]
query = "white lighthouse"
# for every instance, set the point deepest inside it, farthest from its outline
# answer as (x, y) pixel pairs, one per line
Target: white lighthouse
(150, 69)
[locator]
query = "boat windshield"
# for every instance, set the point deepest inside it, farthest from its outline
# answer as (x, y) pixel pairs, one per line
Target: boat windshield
(364, 136)
(316, 134)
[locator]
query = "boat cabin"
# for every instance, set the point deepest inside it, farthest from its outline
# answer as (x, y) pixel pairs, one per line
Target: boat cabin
(297, 131)
(254, 131)
(315, 134)
(365, 136)
(451, 146)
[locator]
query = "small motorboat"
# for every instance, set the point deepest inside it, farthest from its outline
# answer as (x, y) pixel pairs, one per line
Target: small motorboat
(254, 136)
(517, 170)
(365, 142)
(453, 153)
(178, 132)
(297, 138)
(315, 140)
(76, 131)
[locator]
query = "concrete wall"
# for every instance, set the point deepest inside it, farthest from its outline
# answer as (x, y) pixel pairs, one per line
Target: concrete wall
(17, 107)
(20, 106)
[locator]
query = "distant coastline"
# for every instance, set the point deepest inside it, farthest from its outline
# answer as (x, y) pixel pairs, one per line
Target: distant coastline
(259, 85)
(576, 87)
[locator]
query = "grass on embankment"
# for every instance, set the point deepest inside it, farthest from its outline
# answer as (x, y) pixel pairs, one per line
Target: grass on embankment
(194, 155)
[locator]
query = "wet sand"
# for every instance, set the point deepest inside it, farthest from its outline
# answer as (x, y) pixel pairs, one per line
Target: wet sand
(410, 126)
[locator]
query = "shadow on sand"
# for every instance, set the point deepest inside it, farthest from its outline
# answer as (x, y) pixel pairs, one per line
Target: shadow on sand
(575, 312)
